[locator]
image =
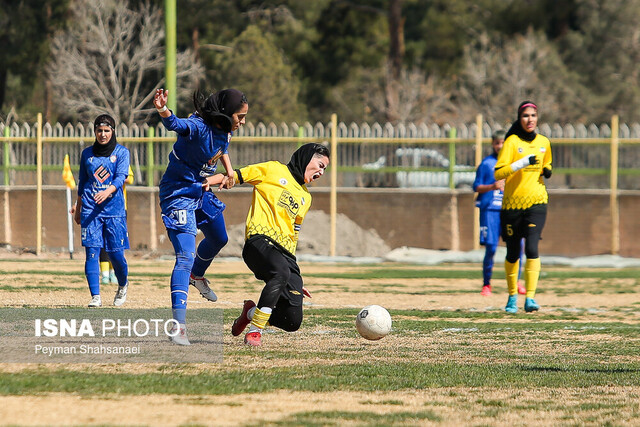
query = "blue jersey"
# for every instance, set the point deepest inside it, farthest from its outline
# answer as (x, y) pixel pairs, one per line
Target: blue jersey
(98, 173)
(194, 156)
(491, 200)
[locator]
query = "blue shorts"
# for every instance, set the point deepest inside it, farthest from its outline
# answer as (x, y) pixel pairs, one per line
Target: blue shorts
(489, 227)
(187, 215)
(109, 233)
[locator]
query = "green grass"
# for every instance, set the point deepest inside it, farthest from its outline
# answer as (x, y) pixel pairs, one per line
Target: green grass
(80, 273)
(367, 377)
(461, 340)
(461, 355)
(438, 273)
(337, 418)
(20, 288)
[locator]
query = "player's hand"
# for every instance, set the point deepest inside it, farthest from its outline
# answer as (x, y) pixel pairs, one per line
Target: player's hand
(160, 98)
(224, 183)
(533, 160)
(76, 214)
(546, 172)
(231, 180)
(499, 184)
(305, 292)
(101, 196)
(205, 185)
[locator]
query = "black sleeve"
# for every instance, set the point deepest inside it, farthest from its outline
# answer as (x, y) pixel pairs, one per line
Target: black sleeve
(240, 180)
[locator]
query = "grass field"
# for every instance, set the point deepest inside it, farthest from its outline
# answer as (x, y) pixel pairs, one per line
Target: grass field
(453, 357)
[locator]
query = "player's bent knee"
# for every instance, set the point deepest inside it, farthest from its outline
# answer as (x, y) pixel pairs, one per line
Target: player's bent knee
(184, 261)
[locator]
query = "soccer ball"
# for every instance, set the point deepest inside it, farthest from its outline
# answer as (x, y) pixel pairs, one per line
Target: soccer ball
(373, 322)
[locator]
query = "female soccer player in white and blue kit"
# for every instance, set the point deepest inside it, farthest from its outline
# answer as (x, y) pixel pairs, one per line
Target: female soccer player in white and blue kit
(100, 207)
(203, 139)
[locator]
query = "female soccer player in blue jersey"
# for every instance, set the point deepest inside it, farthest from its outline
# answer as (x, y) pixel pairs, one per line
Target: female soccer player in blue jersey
(100, 207)
(203, 139)
(489, 202)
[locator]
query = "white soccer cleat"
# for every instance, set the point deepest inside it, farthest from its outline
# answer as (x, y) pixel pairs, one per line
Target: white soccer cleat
(96, 301)
(121, 295)
(179, 337)
(202, 285)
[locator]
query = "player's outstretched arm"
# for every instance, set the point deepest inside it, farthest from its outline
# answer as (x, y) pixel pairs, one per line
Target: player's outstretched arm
(226, 162)
(218, 179)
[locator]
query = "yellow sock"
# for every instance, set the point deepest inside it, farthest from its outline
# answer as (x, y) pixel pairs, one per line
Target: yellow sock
(531, 275)
(104, 267)
(260, 319)
(511, 270)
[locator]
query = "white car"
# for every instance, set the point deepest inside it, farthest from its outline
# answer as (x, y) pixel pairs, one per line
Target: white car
(417, 158)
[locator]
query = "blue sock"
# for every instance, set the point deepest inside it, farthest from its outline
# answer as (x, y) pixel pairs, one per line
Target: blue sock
(120, 266)
(487, 263)
(215, 238)
(92, 270)
(184, 245)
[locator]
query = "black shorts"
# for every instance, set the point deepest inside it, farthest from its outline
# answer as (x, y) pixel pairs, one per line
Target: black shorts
(267, 259)
(522, 223)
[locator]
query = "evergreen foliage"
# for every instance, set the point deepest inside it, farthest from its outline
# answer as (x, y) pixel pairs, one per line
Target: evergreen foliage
(300, 60)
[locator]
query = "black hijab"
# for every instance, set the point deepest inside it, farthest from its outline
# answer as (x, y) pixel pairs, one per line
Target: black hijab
(301, 158)
(218, 108)
(517, 129)
(104, 150)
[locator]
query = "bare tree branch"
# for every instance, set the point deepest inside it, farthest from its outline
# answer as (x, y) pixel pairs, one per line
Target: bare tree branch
(111, 61)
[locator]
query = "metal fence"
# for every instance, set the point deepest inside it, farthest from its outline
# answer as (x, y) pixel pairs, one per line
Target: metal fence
(369, 155)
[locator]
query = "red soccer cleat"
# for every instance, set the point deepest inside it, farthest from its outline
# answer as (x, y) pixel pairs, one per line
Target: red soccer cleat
(242, 321)
(521, 289)
(486, 291)
(253, 338)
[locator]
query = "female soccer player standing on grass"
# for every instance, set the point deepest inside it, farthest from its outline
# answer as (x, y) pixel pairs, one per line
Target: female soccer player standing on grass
(522, 162)
(280, 202)
(203, 139)
(100, 207)
(107, 272)
(489, 202)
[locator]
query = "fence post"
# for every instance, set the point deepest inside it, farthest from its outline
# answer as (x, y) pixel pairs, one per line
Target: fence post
(153, 234)
(6, 157)
(476, 210)
(613, 198)
(455, 226)
(333, 200)
(300, 136)
(5, 163)
(452, 157)
(39, 185)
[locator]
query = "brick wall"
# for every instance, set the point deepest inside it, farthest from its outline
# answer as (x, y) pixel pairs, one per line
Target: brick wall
(578, 221)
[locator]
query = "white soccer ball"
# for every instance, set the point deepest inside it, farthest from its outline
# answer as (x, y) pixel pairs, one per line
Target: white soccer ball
(373, 322)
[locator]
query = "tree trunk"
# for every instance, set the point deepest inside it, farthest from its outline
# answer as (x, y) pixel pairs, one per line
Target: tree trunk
(396, 55)
(3, 85)
(396, 37)
(195, 43)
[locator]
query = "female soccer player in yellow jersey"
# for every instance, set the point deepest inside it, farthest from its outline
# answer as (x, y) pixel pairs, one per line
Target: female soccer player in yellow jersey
(523, 161)
(280, 202)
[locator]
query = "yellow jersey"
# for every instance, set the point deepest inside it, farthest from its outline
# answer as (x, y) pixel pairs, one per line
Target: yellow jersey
(525, 187)
(279, 203)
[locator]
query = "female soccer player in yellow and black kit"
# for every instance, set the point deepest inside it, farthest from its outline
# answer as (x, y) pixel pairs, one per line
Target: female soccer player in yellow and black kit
(524, 161)
(280, 202)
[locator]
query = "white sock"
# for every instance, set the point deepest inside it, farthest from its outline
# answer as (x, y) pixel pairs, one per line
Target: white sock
(250, 313)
